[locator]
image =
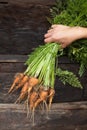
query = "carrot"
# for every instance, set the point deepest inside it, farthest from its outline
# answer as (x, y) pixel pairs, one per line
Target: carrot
(23, 81)
(23, 93)
(51, 95)
(32, 82)
(32, 99)
(42, 97)
(17, 79)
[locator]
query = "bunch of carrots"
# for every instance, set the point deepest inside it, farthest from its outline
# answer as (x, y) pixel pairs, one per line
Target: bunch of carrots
(31, 90)
(37, 82)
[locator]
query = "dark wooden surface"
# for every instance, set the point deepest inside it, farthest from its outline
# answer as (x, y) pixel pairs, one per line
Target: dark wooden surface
(23, 24)
(27, 2)
(22, 28)
(81, 105)
(63, 116)
(12, 64)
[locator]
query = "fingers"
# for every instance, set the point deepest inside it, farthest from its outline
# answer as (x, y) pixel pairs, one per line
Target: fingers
(54, 26)
(50, 30)
(47, 40)
(63, 45)
(47, 35)
(59, 34)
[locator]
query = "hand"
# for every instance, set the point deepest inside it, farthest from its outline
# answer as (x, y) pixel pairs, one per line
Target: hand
(64, 35)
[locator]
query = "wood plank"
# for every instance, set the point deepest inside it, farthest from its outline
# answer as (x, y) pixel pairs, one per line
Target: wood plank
(12, 64)
(15, 63)
(55, 106)
(21, 2)
(12, 67)
(13, 117)
(13, 58)
(10, 58)
(64, 93)
(70, 106)
(19, 31)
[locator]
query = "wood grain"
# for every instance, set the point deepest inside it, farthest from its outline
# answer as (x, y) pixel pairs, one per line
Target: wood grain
(13, 64)
(27, 2)
(62, 116)
(55, 106)
(22, 28)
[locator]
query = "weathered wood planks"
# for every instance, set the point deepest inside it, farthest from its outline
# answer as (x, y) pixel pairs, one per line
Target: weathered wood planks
(82, 105)
(23, 24)
(22, 28)
(27, 2)
(63, 116)
(12, 64)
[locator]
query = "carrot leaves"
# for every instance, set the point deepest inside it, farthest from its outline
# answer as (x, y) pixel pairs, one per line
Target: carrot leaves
(73, 13)
(68, 77)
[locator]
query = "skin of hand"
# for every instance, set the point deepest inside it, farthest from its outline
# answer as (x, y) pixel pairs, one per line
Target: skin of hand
(65, 35)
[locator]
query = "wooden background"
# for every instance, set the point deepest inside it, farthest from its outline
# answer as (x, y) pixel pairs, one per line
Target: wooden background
(22, 28)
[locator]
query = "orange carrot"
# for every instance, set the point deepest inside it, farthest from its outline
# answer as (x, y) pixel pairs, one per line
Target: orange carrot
(32, 82)
(51, 95)
(17, 79)
(42, 97)
(32, 99)
(51, 92)
(23, 93)
(23, 81)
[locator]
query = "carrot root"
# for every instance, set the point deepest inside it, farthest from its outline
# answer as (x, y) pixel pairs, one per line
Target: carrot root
(16, 81)
(42, 97)
(51, 95)
(23, 92)
(32, 99)
(23, 81)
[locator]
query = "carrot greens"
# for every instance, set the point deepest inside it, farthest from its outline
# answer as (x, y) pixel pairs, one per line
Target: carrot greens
(73, 13)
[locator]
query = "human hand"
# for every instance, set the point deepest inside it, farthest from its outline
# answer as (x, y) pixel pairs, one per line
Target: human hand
(64, 35)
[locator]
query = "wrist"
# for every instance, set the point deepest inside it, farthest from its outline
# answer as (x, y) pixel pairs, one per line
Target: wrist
(82, 32)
